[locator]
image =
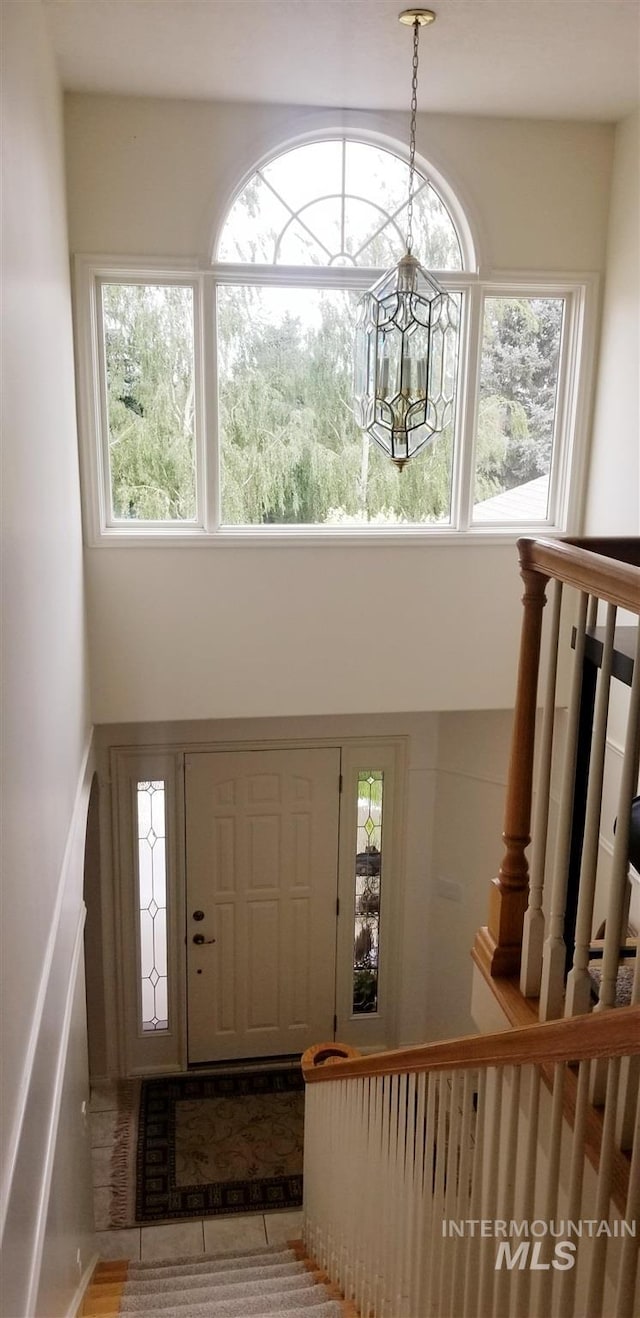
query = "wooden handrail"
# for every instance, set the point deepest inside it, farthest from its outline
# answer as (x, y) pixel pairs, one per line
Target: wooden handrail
(608, 568)
(605, 1034)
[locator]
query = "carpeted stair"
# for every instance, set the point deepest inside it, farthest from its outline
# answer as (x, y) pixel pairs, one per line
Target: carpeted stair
(274, 1282)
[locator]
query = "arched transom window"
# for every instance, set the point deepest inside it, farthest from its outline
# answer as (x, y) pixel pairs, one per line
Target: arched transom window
(221, 396)
(337, 203)
(329, 216)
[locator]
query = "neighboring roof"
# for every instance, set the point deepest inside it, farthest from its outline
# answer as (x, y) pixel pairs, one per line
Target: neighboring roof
(526, 503)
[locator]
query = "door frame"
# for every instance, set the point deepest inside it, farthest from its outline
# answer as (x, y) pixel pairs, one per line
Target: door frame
(139, 1053)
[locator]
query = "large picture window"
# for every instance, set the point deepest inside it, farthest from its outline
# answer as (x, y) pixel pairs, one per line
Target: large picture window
(221, 399)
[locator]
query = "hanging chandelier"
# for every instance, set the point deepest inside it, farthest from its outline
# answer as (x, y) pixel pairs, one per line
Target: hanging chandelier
(406, 334)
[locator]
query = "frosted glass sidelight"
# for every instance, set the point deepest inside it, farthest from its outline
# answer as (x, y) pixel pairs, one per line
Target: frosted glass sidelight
(152, 904)
(368, 876)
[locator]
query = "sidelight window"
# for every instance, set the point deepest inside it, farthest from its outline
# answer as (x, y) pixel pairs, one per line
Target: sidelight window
(368, 879)
(152, 905)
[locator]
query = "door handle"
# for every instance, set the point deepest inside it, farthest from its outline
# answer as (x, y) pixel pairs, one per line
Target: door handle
(199, 939)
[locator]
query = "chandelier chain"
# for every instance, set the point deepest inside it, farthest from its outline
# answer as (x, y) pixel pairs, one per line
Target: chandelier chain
(412, 132)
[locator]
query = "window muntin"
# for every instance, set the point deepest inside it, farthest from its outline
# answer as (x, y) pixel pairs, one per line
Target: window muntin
(147, 332)
(516, 426)
(290, 451)
(337, 203)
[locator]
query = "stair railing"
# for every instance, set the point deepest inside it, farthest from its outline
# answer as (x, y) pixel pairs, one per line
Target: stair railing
(540, 927)
(447, 1181)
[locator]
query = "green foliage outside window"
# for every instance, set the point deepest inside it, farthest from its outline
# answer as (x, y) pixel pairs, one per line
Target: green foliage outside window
(290, 451)
(149, 353)
(518, 387)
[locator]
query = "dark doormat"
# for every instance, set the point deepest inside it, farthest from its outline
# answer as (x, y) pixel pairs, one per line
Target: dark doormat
(224, 1143)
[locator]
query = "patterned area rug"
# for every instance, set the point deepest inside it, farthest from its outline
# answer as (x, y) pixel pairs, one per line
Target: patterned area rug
(224, 1143)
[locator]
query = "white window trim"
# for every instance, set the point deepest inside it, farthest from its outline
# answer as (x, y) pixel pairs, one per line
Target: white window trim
(581, 290)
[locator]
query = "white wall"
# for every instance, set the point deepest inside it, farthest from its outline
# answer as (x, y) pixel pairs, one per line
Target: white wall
(155, 177)
(45, 707)
(232, 632)
(244, 632)
(613, 502)
(473, 756)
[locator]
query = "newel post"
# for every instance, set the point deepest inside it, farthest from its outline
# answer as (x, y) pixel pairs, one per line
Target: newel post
(499, 945)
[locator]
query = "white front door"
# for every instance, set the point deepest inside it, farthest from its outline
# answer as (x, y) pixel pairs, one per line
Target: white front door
(262, 856)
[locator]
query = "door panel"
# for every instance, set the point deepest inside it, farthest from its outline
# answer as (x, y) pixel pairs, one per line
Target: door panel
(262, 847)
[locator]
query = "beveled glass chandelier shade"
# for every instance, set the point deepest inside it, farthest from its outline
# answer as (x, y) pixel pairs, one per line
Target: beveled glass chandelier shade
(406, 353)
(406, 345)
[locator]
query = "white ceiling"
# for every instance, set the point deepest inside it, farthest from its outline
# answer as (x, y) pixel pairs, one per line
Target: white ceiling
(574, 59)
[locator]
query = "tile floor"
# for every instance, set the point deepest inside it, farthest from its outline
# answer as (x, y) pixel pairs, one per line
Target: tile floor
(209, 1235)
(203, 1235)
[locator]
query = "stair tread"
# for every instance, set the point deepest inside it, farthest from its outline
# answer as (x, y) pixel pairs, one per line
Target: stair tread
(308, 1300)
(226, 1259)
(269, 1282)
(173, 1297)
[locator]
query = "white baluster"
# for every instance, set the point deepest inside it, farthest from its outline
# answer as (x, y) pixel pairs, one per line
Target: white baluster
(429, 1165)
(389, 1234)
(552, 1181)
(490, 1199)
(451, 1192)
(603, 1193)
(627, 1274)
(533, 929)
(527, 1213)
(367, 1193)
(502, 1297)
(615, 929)
(437, 1211)
(472, 1261)
(418, 1234)
(576, 1176)
(411, 1198)
(368, 1206)
(384, 1206)
(631, 1077)
(462, 1209)
(578, 998)
(620, 863)
(347, 1180)
(399, 1199)
(553, 962)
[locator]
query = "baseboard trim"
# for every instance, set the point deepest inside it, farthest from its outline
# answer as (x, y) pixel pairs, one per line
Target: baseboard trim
(75, 1307)
(78, 822)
